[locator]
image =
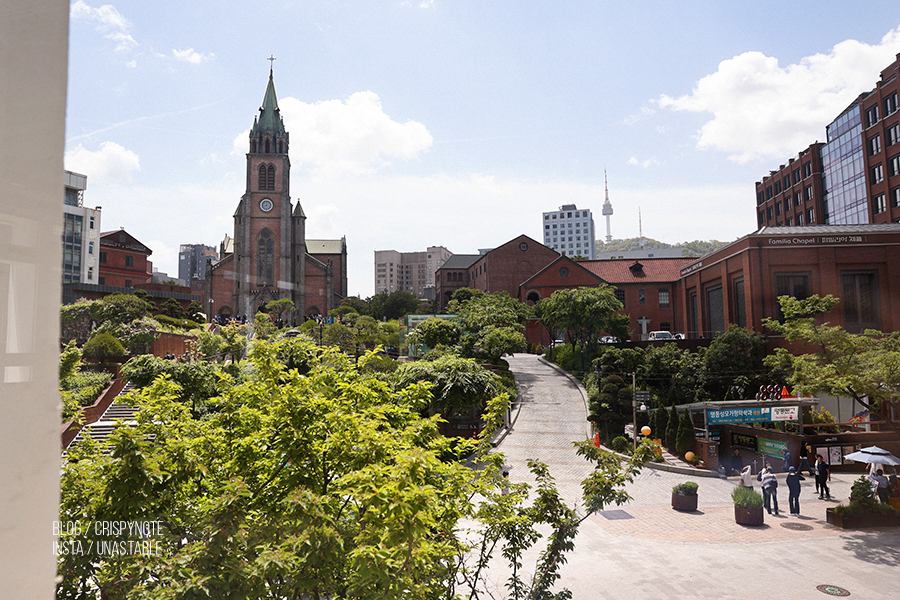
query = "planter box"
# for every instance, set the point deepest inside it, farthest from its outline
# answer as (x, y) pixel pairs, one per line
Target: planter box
(748, 516)
(861, 520)
(681, 502)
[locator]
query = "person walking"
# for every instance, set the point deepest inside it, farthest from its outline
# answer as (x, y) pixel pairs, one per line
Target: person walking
(770, 488)
(804, 460)
(793, 483)
(786, 459)
(823, 476)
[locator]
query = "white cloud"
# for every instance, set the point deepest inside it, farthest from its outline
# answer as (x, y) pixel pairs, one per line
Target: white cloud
(763, 110)
(111, 162)
(335, 138)
(123, 40)
(106, 15)
(643, 113)
(643, 163)
(190, 56)
(131, 64)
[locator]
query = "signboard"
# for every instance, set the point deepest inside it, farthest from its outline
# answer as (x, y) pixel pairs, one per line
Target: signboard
(742, 440)
(642, 396)
(784, 413)
(771, 447)
(738, 415)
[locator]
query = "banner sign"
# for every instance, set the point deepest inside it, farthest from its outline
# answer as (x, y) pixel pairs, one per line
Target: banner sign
(784, 413)
(742, 440)
(738, 415)
(771, 447)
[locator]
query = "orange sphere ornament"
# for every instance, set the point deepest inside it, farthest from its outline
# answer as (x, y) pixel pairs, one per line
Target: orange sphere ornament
(645, 431)
(689, 456)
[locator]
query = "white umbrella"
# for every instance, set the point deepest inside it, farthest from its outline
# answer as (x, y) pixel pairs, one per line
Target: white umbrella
(874, 454)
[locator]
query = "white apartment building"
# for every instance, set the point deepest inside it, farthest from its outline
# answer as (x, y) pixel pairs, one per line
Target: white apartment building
(409, 271)
(570, 231)
(81, 233)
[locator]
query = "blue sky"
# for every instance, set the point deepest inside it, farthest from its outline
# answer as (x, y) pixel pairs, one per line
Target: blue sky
(457, 123)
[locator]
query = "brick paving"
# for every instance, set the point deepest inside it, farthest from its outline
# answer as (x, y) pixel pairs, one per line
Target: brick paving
(663, 553)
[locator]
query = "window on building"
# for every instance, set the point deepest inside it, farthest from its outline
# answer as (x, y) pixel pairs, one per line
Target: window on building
(715, 309)
(101, 281)
(877, 174)
(129, 261)
(796, 176)
(768, 192)
(787, 204)
(665, 326)
(620, 296)
(787, 182)
(894, 166)
(778, 209)
(860, 300)
(90, 247)
(892, 134)
(895, 196)
(807, 193)
(789, 221)
(92, 223)
(740, 306)
(890, 104)
(641, 296)
(103, 257)
(694, 325)
(810, 216)
(762, 218)
(807, 170)
(871, 115)
(798, 198)
(265, 258)
(760, 197)
(878, 204)
(128, 283)
(663, 297)
(778, 187)
(795, 285)
(874, 144)
(90, 273)
(800, 218)
(769, 215)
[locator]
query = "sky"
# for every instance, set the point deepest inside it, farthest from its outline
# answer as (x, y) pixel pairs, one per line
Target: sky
(456, 123)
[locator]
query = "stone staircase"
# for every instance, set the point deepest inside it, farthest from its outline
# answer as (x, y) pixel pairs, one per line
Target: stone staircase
(118, 414)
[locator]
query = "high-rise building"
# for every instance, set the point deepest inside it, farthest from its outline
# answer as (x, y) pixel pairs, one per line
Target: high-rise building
(192, 261)
(570, 231)
(81, 233)
(853, 178)
(409, 271)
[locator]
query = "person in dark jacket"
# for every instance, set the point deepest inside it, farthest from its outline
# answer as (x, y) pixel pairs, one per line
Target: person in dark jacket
(770, 488)
(823, 475)
(793, 483)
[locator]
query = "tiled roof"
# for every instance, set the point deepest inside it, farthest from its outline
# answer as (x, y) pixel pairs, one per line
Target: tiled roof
(831, 229)
(460, 261)
(662, 270)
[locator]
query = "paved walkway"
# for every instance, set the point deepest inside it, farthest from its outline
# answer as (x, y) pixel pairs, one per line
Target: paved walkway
(653, 551)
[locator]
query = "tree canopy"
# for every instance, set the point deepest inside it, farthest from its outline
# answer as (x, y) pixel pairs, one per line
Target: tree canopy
(865, 367)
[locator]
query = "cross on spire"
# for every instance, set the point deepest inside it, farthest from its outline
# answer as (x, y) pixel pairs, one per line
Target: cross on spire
(271, 60)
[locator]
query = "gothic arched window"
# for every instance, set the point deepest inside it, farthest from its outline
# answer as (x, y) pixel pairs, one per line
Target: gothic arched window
(270, 178)
(267, 146)
(261, 183)
(265, 258)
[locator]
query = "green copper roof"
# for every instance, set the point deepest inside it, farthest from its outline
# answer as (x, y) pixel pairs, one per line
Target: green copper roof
(269, 115)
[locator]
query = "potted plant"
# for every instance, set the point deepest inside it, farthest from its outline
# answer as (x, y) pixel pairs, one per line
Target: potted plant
(863, 510)
(748, 506)
(684, 496)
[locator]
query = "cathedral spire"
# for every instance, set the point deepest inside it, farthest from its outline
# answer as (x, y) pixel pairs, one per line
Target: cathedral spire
(269, 114)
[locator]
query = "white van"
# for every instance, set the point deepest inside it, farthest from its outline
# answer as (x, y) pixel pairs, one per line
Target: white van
(661, 336)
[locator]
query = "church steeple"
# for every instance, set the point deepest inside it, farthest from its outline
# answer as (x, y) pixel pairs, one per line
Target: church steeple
(268, 136)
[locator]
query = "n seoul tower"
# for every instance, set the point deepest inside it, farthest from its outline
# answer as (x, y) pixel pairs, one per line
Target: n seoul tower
(607, 208)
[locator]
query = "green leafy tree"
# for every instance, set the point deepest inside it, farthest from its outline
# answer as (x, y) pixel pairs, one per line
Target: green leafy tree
(491, 324)
(104, 347)
(195, 312)
(172, 308)
(69, 361)
(734, 367)
(672, 424)
(279, 307)
(393, 306)
(673, 375)
(863, 367)
(609, 404)
(686, 437)
(436, 331)
(456, 383)
(235, 341)
(357, 304)
(120, 309)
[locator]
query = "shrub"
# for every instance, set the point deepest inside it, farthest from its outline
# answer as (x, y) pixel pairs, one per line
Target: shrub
(686, 437)
(104, 346)
(185, 324)
(81, 389)
(745, 497)
(671, 436)
(863, 500)
(621, 444)
(688, 488)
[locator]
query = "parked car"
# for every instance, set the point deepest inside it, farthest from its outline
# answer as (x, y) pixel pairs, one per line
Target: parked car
(609, 339)
(661, 336)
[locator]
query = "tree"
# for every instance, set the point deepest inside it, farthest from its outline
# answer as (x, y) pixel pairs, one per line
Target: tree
(734, 364)
(120, 309)
(609, 403)
(436, 331)
(357, 304)
(491, 324)
(686, 437)
(393, 306)
(675, 376)
(277, 308)
(172, 308)
(104, 347)
(456, 383)
(671, 437)
(863, 367)
(584, 313)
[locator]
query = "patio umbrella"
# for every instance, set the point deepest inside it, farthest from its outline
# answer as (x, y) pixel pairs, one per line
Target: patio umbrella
(874, 454)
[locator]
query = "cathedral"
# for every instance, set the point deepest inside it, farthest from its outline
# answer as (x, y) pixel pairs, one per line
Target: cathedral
(269, 256)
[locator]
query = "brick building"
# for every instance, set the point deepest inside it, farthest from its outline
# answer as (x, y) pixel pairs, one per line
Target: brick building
(853, 178)
(270, 257)
(123, 260)
(741, 282)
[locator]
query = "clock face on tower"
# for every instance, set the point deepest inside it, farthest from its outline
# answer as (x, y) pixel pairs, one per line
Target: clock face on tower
(265, 205)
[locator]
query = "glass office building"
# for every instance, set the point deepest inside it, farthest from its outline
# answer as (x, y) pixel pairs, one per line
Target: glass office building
(844, 167)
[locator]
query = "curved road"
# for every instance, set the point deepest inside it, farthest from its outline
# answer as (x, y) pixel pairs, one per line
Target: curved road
(652, 551)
